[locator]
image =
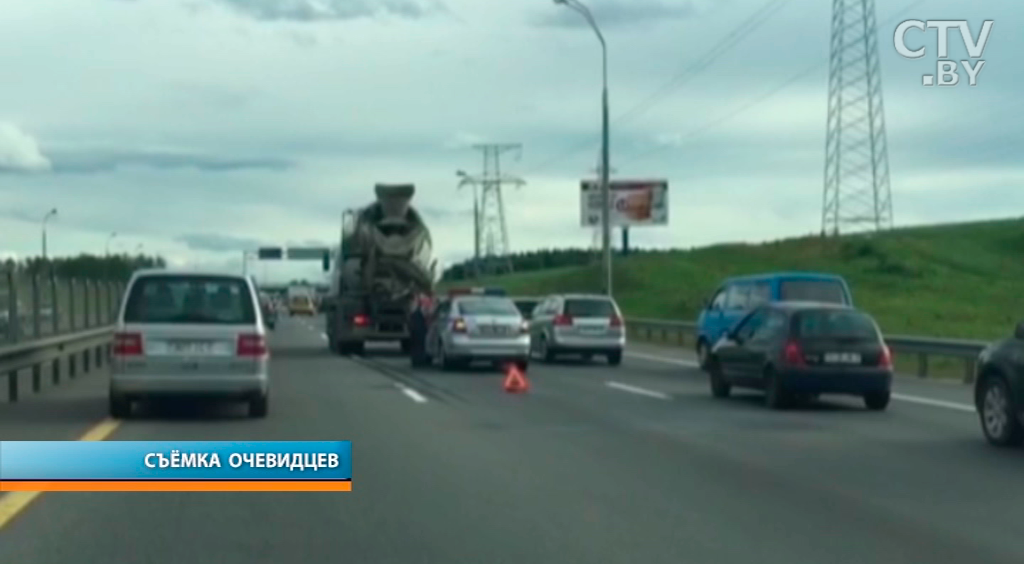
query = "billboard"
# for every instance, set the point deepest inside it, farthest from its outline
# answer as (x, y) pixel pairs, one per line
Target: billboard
(633, 203)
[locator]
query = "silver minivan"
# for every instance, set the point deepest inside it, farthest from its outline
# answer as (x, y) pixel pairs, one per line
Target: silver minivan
(578, 324)
(189, 334)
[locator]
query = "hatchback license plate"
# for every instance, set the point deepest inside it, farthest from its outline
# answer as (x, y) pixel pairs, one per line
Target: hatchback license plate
(842, 358)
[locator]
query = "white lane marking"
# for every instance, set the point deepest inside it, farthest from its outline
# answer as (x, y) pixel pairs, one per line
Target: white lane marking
(935, 403)
(900, 397)
(676, 361)
(413, 394)
(638, 391)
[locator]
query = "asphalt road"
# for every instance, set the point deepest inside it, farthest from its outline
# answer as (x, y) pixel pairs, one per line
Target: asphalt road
(596, 464)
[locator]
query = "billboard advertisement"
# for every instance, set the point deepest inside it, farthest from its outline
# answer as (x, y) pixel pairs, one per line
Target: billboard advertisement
(633, 203)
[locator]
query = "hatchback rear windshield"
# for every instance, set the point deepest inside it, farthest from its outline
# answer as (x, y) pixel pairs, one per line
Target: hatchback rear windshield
(190, 299)
(589, 308)
(838, 324)
(487, 306)
(822, 291)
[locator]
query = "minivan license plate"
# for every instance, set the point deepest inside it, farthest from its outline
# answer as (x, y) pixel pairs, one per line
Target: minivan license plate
(842, 358)
(191, 347)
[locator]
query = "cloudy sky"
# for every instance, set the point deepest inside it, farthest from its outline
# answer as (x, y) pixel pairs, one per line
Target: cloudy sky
(200, 128)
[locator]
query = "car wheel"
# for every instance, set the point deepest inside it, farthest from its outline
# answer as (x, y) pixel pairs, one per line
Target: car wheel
(702, 354)
(877, 401)
(447, 363)
(259, 406)
(998, 415)
(120, 407)
(719, 387)
(544, 351)
(775, 396)
(615, 358)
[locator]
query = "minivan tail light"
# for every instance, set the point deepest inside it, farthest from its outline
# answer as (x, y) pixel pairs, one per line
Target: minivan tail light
(459, 325)
(252, 345)
(886, 360)
(361, 320)
(563, 320)
(794, 355)
(616, 321)
(127, 344)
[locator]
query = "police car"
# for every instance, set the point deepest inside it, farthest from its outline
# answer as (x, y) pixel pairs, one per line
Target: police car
(477, 324)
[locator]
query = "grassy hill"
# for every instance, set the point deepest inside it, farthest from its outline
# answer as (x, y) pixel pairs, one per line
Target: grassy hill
(957, 280)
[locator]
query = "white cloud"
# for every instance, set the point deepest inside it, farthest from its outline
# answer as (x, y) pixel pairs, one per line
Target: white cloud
(19, 151)
(261, 120)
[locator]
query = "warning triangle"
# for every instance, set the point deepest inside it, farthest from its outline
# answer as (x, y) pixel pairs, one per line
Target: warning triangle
(515, 381)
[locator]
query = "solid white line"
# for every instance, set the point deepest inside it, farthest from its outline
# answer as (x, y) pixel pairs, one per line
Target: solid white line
(900, 397)
(638, 391)
(413, 394)
(935, 403)
(676, 361)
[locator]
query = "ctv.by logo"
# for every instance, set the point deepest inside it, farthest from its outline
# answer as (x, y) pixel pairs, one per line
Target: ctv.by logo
(946, 69)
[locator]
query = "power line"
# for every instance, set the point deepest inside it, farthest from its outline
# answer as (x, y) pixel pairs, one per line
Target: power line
(758, 100)
(733, 38)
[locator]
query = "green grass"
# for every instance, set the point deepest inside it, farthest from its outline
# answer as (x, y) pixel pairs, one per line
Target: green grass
(956, 281)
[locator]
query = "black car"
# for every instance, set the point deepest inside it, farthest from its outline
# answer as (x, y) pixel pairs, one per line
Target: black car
(796, 350)
(999, 390)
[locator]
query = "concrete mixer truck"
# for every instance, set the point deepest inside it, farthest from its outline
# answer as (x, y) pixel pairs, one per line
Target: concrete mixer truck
(383, 266)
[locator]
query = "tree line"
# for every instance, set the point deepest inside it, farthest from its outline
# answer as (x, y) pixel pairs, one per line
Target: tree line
(92, 267)
(536, 260)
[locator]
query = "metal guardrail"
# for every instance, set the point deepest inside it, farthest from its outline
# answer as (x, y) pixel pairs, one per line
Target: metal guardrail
(685, 333)
(47, 320)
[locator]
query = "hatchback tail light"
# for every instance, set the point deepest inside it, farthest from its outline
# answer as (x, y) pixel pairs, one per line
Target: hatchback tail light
(563, 320)
(886, 360)
(127, 344)
(794, 355)
(252, 345)
(616, 321)
(361, 320)
(459, 325)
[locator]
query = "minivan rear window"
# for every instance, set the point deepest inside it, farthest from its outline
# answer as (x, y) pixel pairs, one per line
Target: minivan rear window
(190, 299)
(589, 308)
(822, 291)
(835, 324)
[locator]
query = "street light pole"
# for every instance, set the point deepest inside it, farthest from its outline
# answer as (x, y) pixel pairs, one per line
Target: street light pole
(466, 179)
(606, 229)
(109, 239)
(46, 218)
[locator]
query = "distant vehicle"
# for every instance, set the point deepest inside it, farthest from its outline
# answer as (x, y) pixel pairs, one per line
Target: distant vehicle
(269, 309)
(578, 324)
(189, 334)
(477, 325)
(795, 350)
(301, 304)
(736, 297)
(527, 305)
(999, 390)
(385, 265)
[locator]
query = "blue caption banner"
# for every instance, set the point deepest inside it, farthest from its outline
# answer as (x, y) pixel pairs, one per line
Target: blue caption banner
(175, 460)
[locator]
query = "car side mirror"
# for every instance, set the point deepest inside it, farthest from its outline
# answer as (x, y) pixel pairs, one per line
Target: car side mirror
(1018, 332)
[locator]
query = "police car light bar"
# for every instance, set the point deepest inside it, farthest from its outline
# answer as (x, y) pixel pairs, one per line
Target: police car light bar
(477, 292)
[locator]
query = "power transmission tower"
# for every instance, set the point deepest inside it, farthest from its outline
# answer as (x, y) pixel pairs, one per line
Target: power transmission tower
(492, 231)
(857, 195)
